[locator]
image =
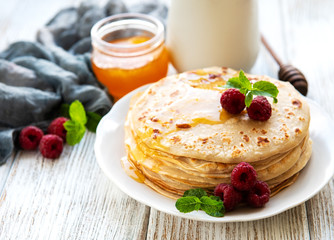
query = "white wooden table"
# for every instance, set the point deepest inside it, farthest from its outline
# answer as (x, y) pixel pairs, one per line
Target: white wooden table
(71, 198)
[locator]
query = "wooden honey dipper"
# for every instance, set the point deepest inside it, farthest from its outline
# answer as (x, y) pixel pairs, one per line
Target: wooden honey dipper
(288, 72)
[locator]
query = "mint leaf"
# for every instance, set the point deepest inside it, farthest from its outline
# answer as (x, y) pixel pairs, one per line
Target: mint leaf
(77, 112)
(240, 82)
(210, 206)
(75, 132)
(188, 204)
(222, 211)
(93, 120)
(215, 198)
(219, 213)
(248, 98)
(197, 192)
(244, 91)
(264, 88)
(64, 110)
(233, 83)
(244, 81)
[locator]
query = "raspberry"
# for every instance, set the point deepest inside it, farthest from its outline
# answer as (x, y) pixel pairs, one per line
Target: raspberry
(51, 146)
(228, 195)
(57, 127)
(243, 177)
(233, 101)
(259, 195)
(260, 109)
(30, 137)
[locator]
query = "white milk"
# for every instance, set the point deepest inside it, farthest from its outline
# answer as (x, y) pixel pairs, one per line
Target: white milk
(203, 33)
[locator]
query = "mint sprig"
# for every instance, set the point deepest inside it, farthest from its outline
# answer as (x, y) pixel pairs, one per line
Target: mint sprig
(75, 132)
(188, 204)
(197, 199)
(212, 206)
(260, 88)
(77, 112)
(79, 120)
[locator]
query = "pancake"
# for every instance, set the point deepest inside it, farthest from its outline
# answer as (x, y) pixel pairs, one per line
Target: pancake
(172, 168)
(176, 179)
(176, 117)
(294, 169)
(178, 137)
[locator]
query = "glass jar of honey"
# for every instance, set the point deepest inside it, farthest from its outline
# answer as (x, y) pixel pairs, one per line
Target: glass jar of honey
(128, 51)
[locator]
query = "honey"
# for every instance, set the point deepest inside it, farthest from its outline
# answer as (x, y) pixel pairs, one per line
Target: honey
(128, 52)
(131, 170)
(121, 79)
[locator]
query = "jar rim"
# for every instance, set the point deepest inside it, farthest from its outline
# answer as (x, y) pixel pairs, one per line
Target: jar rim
(103, 45)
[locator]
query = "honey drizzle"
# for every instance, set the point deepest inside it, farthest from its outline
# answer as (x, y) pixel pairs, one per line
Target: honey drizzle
(197, 79)
(223, 116)
(131, 170)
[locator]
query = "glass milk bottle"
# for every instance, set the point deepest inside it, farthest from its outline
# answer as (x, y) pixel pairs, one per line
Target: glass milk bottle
(203, 33)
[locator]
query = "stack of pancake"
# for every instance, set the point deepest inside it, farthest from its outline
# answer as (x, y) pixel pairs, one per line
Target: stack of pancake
(178, 136)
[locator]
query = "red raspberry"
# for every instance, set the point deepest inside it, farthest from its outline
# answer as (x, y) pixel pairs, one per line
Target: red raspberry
(243, 177)
(51, 146)
(259, 195)
(233, 101)
(30, 137)
(228, 195)
(260, 109)
(57, 127)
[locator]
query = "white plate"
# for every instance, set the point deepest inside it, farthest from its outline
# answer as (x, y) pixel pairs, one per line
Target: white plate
(109, 149)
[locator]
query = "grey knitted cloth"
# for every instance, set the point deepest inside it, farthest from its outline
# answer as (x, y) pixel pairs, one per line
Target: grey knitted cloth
(37, 77)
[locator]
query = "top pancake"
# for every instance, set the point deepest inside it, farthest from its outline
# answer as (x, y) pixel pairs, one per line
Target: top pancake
(182, 115)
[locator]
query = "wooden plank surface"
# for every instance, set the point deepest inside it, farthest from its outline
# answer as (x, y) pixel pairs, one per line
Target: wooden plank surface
(282, 226)
(4, 171)
(309, 42)
(70, 198)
